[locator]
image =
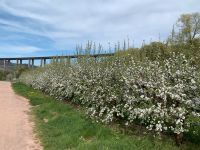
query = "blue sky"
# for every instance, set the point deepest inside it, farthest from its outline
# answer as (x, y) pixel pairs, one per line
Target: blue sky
(54, 27)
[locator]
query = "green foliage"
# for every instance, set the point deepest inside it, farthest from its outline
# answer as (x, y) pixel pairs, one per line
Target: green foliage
(4, 75)
(19, 70)
(189, 25)
(155, 51)
(9, 75)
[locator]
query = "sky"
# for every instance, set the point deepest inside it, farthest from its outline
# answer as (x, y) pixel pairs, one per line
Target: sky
(54, 27)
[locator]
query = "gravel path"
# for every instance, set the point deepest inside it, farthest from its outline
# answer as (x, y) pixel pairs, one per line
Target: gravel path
(16, 129)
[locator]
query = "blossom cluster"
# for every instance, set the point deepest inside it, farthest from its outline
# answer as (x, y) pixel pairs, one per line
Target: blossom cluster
(162, 96)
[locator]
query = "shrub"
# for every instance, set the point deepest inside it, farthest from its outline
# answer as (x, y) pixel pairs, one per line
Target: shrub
(163, 96)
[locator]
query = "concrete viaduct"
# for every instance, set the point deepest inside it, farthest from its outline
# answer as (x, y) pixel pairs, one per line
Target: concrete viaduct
(43, 60)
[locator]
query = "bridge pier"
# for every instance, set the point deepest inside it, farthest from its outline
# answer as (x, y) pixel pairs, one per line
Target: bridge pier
(45, 61)
(29, 63)
(68, 60)
(4, 64)
(17, 61)
(41, 62)
(21, 62)
(32, 64)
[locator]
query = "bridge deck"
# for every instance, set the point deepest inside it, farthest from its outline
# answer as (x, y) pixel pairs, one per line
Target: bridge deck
(53, 57)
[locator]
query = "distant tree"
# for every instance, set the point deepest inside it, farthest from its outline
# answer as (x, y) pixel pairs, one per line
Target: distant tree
(188, 26)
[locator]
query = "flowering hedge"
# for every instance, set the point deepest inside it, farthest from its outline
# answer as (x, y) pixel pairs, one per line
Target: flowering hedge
(163, 96)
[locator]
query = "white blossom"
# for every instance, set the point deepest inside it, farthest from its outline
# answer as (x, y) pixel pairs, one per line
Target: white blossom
(161, 97)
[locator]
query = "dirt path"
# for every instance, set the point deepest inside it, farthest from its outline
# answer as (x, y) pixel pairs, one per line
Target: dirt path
(16, 132)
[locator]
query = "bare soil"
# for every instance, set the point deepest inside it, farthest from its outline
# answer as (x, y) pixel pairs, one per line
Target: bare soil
(16, 129)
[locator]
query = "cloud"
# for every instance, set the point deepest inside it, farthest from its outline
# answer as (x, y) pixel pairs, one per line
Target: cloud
(16, 51)
(64, 23)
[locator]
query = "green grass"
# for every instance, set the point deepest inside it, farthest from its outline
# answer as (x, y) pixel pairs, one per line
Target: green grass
(61, 126)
